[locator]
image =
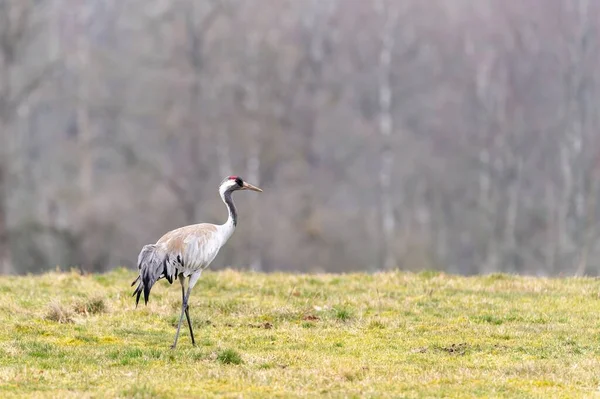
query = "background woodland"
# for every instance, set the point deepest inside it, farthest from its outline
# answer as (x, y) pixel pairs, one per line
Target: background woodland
(455, 135)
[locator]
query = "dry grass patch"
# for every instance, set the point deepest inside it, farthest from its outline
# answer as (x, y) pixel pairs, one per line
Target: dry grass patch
(59, 313)
(91, 306)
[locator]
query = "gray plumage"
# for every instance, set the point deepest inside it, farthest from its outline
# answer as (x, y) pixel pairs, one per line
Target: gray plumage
(153, 265)
(186, 252)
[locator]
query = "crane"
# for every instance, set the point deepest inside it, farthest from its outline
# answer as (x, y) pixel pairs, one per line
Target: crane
(186, 252)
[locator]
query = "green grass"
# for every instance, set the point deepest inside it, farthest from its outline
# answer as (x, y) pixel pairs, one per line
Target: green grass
(229, 356)
(282, 335)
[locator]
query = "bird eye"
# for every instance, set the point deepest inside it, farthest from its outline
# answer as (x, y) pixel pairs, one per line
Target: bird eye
(239, 181)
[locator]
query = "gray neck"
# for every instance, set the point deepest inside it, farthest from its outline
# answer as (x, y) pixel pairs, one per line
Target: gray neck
(230, 206)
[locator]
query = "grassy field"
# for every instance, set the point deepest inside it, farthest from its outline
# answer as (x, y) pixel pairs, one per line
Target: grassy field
(282, 335)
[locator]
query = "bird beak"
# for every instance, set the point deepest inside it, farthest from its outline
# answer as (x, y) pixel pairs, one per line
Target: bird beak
(248, 186)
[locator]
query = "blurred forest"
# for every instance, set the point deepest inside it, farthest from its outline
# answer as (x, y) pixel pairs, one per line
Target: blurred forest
(456, 135)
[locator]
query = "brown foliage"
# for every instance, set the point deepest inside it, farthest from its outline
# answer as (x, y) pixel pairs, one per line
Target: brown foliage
(440, 135)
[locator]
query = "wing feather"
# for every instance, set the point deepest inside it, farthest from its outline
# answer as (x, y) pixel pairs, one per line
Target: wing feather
(152, 266)
(180, 250)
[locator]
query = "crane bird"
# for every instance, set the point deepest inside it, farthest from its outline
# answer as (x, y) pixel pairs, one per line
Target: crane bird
(187, 251)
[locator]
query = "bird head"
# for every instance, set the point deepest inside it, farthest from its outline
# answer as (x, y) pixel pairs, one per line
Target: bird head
(233, 183)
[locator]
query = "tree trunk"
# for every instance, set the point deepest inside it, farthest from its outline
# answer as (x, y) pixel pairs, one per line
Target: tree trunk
(225, 168)
(487, 206)
(253, 173)
(550, 247)
(385, 125)
(563, 242)
(85, 136)
(253, 111)
(5, 258)
(589, 232)
(510, 244)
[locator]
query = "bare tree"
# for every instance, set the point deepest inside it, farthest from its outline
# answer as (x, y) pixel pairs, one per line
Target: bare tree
(19, 26)
(389, 16)
(251, 107)
(578, 159)
(377, 145)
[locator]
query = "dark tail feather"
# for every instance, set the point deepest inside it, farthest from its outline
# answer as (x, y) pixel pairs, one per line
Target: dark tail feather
(137, 291)
(153, 265)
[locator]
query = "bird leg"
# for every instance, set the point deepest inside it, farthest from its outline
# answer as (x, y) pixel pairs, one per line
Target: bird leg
(183, 309)
(184, 306)
(187, 313)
